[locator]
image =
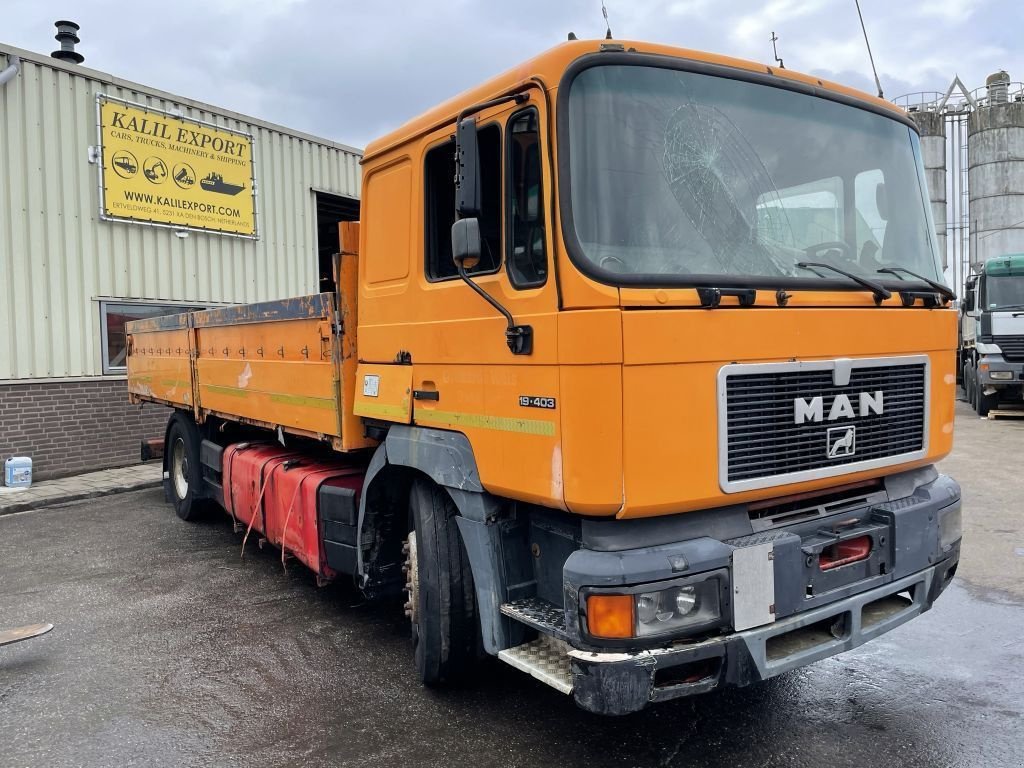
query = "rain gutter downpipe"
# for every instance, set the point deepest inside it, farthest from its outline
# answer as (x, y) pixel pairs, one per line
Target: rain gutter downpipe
(13, 67)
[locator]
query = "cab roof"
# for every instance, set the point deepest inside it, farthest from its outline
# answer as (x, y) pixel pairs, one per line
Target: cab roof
(1009, 264)
(549, 66)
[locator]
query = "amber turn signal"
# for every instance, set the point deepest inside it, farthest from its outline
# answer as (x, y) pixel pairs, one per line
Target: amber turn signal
(610, 616)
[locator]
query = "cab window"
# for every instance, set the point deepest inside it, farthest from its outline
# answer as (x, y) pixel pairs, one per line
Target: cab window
(439, 206)
(527, 258)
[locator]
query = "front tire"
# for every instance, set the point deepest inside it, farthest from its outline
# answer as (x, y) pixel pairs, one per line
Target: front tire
(442, 604)
(183, 468)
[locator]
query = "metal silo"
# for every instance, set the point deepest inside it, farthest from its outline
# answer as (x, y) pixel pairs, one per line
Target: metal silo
(933, 151)
(995, 156)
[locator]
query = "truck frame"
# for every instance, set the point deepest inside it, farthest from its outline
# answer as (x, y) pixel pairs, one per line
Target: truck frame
(629, 378)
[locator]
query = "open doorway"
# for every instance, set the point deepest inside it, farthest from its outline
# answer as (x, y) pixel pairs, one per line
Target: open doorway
(330, 210)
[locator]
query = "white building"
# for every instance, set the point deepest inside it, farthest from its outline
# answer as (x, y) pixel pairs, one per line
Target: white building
(72, 272)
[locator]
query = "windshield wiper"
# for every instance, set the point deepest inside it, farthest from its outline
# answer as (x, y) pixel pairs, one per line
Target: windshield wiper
(879, 291)
(939, 288)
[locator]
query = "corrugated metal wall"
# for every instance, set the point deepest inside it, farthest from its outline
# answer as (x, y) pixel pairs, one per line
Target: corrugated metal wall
(57, 257)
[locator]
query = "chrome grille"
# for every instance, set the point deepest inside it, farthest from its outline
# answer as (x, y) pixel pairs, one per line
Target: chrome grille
(1012, 346)
(763, 445)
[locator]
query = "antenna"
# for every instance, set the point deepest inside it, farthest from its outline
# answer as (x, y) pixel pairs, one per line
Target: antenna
(604, 12)
(775, 51)
(868, 45)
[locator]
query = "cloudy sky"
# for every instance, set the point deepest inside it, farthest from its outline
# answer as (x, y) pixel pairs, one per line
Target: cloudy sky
(352, 70)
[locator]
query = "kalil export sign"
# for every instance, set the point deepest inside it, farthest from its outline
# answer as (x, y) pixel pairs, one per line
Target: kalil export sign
(163, 169)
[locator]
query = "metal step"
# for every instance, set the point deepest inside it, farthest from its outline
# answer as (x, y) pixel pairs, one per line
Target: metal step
(543, 616)
(545, 659)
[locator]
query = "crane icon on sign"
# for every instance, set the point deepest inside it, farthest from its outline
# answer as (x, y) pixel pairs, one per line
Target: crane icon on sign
(154, 170)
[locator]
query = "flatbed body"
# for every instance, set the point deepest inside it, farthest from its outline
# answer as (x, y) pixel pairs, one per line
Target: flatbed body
(287, 364)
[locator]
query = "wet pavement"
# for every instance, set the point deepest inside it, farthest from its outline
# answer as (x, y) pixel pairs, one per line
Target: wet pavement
(169, 650)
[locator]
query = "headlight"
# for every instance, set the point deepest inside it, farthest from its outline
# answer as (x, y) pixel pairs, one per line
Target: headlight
(950, 525)
(651, 613)
(1001, 375)
(988, 349)
(677, 608)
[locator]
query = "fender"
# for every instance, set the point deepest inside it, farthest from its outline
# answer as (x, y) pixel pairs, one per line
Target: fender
(447, 458)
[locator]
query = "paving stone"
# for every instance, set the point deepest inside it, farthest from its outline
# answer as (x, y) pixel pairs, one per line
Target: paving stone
(49, 492)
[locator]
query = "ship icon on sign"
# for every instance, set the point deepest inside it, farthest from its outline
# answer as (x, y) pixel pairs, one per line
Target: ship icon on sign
(215, 183)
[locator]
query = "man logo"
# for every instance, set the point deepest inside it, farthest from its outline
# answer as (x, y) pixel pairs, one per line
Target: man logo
(814, 409)
(841, 442)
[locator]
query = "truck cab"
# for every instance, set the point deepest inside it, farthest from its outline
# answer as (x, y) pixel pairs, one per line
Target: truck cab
(644, 363)
(992, 333)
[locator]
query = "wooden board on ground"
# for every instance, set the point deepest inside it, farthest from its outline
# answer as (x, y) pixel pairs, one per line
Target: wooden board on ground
(8, 636)
(1006, 413)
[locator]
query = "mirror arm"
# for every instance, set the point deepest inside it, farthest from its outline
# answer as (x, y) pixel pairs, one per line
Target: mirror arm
(518, 337)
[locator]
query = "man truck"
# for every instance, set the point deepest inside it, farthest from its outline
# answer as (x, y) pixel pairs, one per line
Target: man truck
(992, 333)
(635, 376)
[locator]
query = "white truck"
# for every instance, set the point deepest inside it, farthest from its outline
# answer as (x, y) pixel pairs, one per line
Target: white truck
(992, 333)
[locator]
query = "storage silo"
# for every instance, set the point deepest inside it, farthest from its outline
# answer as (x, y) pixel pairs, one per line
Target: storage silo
(932, 126)
(995, 159)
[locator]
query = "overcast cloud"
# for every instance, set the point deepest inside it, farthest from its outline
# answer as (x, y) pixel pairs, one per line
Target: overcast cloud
(351, 71)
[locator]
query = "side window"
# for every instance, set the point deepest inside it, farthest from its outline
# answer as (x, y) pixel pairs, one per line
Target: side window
(114, 315)
(439, 206)
(527, 259)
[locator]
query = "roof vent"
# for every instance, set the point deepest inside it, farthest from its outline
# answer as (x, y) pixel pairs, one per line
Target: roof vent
(67, 36)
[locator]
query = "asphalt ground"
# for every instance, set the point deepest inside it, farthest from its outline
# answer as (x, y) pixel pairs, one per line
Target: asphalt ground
(170, 650)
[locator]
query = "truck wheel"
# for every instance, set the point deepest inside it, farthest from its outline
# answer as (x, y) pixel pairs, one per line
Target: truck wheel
(442, 604)
(984, 403)
(183, 468)
(969, 384)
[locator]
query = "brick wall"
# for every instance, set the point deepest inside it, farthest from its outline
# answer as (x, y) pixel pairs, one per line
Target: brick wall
(68, 427)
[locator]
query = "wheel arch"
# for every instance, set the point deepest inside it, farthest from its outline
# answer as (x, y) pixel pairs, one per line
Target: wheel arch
(446, 459)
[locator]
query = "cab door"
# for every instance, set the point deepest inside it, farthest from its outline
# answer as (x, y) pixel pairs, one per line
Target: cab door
(465, 377)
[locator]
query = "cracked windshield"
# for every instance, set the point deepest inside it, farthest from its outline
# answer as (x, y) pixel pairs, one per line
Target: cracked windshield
(676, 174)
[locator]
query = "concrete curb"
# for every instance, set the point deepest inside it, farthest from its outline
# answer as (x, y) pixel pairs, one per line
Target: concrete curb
(35, 504)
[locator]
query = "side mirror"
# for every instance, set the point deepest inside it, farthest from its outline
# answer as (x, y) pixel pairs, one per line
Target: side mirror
(467, 169)
(970, 292)
(466, 243)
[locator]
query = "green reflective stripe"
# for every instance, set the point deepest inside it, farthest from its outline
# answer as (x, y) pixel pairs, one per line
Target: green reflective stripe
(381, 409)
(230, 391)
(500, 423)
(325, 404)
(312, 402)
(174, 382)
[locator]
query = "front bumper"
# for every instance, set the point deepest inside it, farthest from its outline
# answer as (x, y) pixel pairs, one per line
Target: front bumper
(814, 613)
(996, 364)
(619, 683)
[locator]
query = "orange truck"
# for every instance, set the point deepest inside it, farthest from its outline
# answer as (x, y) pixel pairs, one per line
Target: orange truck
(635, 375)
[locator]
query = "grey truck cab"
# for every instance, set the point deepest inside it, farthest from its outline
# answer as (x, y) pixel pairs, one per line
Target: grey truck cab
(992, 333)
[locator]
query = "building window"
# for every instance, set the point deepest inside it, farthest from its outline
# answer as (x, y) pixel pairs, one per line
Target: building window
(114, 315)
(527, 259)
(439, 206)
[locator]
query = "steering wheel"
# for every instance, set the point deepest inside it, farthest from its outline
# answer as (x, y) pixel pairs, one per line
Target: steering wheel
(830, 245)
